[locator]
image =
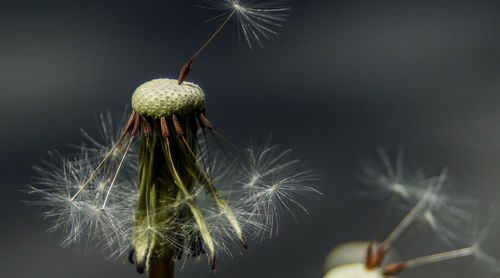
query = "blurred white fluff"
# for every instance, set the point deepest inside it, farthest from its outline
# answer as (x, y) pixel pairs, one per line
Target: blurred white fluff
(484, 244)
(390, 178)
(445, 214)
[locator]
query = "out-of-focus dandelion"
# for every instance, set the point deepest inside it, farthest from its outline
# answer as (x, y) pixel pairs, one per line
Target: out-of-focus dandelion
(443, 214)
(257, 20)
(189, 200)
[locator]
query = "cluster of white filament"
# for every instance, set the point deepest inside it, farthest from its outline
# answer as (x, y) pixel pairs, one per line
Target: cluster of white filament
(256, 187)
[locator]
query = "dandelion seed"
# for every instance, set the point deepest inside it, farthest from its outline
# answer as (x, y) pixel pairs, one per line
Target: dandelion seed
(256, 21)
(444, 215)
(179, 199)
(474, 250)
(441, 212)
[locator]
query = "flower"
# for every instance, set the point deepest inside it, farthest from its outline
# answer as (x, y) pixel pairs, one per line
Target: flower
(444, 214)
(170, 195)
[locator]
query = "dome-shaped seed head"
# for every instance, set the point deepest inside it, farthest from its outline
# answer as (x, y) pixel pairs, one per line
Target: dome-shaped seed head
(163, 97)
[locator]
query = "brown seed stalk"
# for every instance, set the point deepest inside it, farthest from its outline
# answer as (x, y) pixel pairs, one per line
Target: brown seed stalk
(188, 65)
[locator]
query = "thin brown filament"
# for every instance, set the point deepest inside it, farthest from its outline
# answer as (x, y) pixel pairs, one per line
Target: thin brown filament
(130, 129)
(101, 164)
(187, 66)
(117, 171)
(213, 35)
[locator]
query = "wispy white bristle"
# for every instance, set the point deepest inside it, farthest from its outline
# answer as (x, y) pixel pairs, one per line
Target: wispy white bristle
(273, 181)
(84, 216)
(99, 206)
(257, 20)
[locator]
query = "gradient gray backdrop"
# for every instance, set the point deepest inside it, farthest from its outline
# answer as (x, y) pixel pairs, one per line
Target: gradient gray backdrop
(342, 78)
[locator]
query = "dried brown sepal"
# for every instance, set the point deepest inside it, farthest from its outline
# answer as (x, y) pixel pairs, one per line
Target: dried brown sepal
(394, 268)
(377, 258)
(164, 128)
(368, 255)
(177, 126)
(135, 127)
(146, 127)
(130, 123)
(205, 121)
(185, 71)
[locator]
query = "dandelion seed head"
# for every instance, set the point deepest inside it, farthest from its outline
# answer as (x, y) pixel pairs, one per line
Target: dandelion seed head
(169, 194)
(164, 97)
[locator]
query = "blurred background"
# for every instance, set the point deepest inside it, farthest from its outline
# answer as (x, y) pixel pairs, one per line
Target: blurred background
(341, 79)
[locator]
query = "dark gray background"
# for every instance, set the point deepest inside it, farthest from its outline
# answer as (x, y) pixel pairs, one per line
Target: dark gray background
(342, 78)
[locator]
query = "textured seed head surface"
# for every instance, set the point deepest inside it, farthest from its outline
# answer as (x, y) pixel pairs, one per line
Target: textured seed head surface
(164, 97)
